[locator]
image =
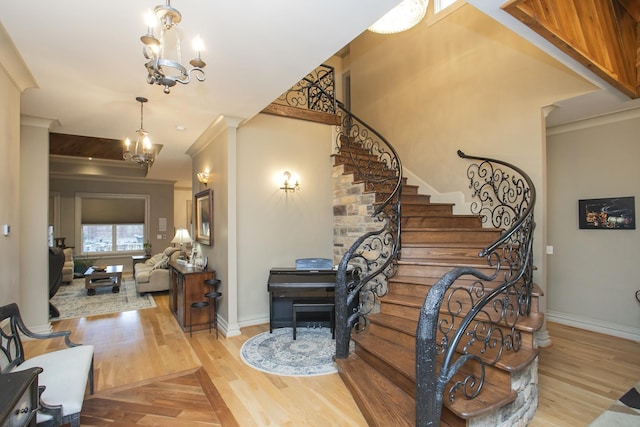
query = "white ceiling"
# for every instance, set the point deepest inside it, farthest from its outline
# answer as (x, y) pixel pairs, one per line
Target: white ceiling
(86, 57)
(605, 100)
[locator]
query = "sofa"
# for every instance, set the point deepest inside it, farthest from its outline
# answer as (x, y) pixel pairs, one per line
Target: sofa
(68, 266)
(153, 274)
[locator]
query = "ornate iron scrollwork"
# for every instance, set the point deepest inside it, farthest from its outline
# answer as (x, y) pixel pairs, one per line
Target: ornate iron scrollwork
(362, 273)
(493, 303)
(315, 92)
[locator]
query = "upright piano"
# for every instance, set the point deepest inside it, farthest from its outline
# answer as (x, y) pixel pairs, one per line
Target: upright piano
(288, 284)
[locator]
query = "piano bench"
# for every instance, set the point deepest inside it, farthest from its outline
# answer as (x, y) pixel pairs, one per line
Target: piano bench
(314, 306)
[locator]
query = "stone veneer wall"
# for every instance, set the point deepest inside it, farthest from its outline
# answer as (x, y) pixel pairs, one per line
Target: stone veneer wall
(521, 411)
(352, 209)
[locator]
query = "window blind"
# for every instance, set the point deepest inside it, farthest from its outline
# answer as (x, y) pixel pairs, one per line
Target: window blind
(113, 211)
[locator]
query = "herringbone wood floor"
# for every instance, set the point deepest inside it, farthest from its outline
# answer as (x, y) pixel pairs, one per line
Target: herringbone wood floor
(579, 375)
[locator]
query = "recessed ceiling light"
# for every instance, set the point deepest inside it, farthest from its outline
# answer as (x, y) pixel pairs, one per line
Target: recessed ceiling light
(180, 128)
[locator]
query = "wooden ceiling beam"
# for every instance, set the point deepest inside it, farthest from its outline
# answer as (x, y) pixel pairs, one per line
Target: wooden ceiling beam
(602, 35)
(85, 146)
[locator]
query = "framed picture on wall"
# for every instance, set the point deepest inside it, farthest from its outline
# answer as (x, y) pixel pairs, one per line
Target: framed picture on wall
(611, 213)
(203, 211)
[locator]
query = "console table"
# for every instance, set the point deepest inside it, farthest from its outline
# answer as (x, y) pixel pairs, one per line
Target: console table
(187, 286)
(136, 259)
(19, 398)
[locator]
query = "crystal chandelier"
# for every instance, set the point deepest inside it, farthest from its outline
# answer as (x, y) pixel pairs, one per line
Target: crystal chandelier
(142, 152)
(402, 17)
(165, 54)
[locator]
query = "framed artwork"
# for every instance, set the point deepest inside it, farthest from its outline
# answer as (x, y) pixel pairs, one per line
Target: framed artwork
(612, 213)
(204, 217)
(189, 216)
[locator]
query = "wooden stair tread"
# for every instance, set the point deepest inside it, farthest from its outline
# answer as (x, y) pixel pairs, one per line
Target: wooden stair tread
(443, 245)
(452, 229)
(477, 263)
(403, 360)
(463, 281)
(432, 204)
(531, 323)
(381, 401)
(510, 361)
(413, 215)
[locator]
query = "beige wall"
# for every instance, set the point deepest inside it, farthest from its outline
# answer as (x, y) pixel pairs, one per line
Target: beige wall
(275, 228)
(161, 206)
(34, 185)
(464, 83)
(214, 157)
(593, 274)
(10, 188)
(14, 79)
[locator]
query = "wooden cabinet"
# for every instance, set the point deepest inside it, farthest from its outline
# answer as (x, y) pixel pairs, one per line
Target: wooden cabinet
(19, 398)
(187, 287)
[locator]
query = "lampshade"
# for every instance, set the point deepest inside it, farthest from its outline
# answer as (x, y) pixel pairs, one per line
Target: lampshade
(182, 236)
(402, 17)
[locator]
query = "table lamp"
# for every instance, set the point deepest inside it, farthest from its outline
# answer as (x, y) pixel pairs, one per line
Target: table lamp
(182, 236)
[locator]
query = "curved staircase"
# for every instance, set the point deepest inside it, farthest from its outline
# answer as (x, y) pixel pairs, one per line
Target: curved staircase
(381, 373)
(446, 309)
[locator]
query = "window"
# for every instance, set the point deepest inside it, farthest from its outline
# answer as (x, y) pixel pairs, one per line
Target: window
(440, 5)
(112, 223)
(112, 237)
(440, 9)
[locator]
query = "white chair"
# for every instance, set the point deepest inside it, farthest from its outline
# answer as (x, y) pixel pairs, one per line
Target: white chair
(64, 372)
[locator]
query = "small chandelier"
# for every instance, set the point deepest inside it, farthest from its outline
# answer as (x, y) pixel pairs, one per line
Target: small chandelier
(165, 54)
(402, 17)
(142, 151)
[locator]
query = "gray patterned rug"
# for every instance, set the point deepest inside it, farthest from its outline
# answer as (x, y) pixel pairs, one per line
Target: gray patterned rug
(277, 353)
(624, 412)
(72, 300)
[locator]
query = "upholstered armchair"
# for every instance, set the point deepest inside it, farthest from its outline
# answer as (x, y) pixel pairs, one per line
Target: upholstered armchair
(67, 267)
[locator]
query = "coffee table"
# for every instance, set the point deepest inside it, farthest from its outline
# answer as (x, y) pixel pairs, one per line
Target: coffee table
(95, 277)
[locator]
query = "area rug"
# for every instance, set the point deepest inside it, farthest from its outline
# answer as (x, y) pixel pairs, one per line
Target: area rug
(625, 412)
(277, 353)
(72, 300)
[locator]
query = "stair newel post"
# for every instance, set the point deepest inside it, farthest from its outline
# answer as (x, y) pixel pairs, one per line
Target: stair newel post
(428, 390)
(343, 329)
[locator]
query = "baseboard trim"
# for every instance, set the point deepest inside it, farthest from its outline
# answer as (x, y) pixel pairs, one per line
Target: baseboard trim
(252, 322)
(594, 325)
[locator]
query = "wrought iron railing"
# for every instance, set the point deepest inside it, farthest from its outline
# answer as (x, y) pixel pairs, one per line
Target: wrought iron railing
(448, 339)
(315, 92)
(365, 267)
(362, 273)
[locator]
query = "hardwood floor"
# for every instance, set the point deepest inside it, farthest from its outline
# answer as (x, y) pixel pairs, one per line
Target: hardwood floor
(184, 399)
(579, 375)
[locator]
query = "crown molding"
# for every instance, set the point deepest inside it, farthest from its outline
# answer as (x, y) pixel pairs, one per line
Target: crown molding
(604, 119)
(13, 63)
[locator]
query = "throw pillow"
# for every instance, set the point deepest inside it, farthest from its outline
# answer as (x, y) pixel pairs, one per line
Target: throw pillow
(163, 263)
(170, 250)
(154, 260)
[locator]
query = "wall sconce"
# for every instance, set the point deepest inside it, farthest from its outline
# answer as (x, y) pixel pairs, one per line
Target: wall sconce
(203, 176)
(287, 185)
